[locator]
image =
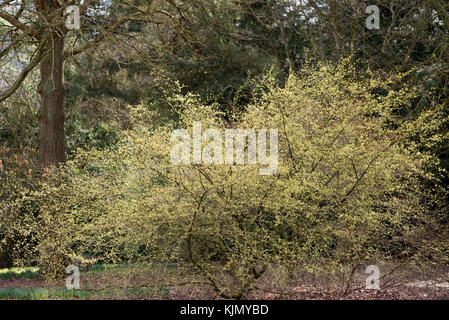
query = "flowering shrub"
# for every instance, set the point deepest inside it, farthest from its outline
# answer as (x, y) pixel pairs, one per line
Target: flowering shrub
(17, 216)
(348, 188)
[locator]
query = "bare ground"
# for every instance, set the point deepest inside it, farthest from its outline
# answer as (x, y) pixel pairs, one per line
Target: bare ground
(402, 286)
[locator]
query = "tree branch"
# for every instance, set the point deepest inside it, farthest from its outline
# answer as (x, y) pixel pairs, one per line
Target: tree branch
(98, 39)
(33, 63)
(16, 23)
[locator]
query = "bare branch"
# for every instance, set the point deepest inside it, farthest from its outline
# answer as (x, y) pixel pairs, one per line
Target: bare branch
(99, 38)
(12, 45)
(19, 25)
(40, 54)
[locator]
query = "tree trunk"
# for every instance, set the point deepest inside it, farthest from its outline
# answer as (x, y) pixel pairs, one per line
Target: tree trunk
(51, 119)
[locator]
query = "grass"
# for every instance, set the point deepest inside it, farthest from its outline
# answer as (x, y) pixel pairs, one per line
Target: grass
(24, 293)
(90, 290)
(64, 294)
(43, 294)
(19, 273)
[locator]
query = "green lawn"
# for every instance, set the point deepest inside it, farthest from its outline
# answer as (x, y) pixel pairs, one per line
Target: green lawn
(19, 273)
(97, 283)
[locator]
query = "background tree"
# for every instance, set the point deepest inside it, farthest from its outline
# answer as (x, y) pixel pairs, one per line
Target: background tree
(38, 28)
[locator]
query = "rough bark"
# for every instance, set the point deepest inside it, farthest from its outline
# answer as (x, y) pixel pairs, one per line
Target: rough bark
(51, 118)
